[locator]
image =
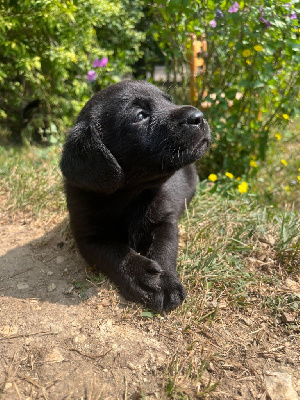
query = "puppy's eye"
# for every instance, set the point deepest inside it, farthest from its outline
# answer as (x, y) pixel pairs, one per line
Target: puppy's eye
(141, 116)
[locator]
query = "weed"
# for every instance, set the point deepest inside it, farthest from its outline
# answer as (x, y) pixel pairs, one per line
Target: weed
(192, 383)
(82, 288)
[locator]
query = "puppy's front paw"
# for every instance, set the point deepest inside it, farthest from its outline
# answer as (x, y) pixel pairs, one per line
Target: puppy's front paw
(170, 295)
(174, 292)
(143, 280)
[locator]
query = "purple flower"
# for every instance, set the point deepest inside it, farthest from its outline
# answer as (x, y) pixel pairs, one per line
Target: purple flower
(268, 24)
(97, 63)
(91, 76)
(293, 16)
(104, 61)
(213, 23)
(100, 63)
(234, 8)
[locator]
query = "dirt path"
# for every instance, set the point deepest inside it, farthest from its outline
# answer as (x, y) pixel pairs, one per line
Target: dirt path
(65, 337)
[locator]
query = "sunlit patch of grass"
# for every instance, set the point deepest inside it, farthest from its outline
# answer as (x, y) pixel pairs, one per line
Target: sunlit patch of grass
(30, 180)
(220, 236)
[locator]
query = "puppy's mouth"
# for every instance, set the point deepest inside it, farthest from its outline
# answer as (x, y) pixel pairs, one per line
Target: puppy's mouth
(191, 146)
(196, 140)
(200, 147)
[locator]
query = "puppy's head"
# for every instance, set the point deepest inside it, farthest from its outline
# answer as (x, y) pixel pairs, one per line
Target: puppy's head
(131, 129)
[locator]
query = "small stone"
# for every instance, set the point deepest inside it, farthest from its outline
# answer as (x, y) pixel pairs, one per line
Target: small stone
(69, 290)
(5, 330)
(8, 385)
(49, 273)
(287, 318)
(22, 286)
(279, 386)
(210, 367)
(54, 356)
(293, 286)
(130, 366)
(80, 338)
(51, 287)
(60, 259)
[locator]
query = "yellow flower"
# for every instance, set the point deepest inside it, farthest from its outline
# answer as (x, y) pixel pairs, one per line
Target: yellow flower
(229, 175)
(278, 136)
(258, 47)
(253, 164)
(243, 187)
(298, 177)
(212, 177)
(266, 128)
(285, 116)
(287, 188)
(248, 62)
(299, 169)
(246, 53)
(284, 162)
(238, 178)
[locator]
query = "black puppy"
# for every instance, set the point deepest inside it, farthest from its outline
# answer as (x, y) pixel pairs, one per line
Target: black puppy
(128, 175)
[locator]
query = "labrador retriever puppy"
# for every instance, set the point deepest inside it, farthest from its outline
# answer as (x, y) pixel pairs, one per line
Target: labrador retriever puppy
(128, 172)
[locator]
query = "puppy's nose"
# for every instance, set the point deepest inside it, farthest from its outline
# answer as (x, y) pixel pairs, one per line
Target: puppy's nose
(195, 117)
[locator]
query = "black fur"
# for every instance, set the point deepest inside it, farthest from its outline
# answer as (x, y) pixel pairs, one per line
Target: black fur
(128, 175)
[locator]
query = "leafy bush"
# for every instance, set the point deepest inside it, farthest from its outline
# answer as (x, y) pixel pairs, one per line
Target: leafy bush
(46, 50)
(251, 80)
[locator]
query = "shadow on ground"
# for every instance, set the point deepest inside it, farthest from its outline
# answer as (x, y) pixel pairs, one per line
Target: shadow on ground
(43, 268)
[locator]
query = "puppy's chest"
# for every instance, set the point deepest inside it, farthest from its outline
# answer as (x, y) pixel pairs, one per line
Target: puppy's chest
(134, 221)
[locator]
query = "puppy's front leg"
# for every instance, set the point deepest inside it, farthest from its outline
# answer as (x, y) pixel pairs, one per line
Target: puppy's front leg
(163, 250)
(137, 277)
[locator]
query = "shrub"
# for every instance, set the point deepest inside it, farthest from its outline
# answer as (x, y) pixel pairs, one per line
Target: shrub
(251, 80)
(46, 50)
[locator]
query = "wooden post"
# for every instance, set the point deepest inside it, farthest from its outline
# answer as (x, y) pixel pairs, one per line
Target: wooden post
(198, 48)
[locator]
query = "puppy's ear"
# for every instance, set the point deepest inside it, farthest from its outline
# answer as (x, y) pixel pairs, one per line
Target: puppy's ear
(87, 163)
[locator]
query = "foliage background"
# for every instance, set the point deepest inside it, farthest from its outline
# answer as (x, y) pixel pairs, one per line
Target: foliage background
(253, 50)
(47, 48)
(249, 87)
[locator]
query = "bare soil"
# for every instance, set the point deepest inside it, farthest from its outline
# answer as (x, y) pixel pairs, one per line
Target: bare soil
(65, 335)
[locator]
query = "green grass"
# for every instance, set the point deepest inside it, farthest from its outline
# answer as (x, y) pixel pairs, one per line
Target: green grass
(30, 180)
(224, 237)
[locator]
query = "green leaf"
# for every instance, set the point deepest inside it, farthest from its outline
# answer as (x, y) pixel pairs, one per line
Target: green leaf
(258, 84)
(147, 314)
(278, 23)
